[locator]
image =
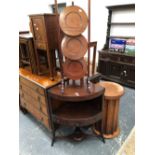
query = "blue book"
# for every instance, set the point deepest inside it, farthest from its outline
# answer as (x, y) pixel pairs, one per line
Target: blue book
(118, 41)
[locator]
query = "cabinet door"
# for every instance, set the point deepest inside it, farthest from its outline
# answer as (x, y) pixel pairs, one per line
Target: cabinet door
(131, 77)
(39, 29)
(115, 70)
(128, 74)
(103, 67)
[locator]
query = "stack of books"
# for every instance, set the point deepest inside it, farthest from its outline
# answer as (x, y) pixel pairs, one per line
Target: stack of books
(126, 46)
(130, 47)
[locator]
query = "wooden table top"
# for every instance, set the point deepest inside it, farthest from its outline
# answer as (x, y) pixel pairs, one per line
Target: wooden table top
(43, 81)
(112, 90)
(76, 93)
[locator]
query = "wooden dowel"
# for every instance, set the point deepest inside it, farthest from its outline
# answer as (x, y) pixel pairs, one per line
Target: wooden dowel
(59, 41)
(89, 35)
(72, 3)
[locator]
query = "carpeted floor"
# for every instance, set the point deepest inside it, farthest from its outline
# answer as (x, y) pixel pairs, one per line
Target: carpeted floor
(34, 139)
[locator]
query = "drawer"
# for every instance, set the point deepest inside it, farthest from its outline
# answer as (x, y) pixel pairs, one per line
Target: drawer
(35, 112)
(22, 101)
(36, 103)
(38, 115)
(32, 94)
(38, 28)
(31, 85)
(40, 45)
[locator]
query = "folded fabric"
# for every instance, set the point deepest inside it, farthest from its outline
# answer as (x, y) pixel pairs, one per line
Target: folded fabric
(130, 41)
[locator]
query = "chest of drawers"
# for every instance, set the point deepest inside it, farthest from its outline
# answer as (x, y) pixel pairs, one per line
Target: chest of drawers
(33, 95)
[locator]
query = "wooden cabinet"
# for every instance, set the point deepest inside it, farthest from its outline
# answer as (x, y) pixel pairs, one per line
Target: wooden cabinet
(117, 67)
(26, 51)
(33, 94)
(44, 28)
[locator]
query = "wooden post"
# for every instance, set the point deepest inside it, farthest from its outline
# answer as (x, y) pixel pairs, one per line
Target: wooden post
(72, 3)
(59, 49)
(89, 34)
(59, 41)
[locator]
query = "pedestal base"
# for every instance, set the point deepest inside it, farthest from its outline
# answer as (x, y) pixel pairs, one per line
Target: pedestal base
(78, 135)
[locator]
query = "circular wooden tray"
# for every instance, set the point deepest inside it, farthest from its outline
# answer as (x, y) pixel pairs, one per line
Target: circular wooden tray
(73, 20)
(75, 69)
(74, 48)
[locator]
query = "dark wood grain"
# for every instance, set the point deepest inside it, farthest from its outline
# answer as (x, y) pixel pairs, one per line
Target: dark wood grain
(45, 35)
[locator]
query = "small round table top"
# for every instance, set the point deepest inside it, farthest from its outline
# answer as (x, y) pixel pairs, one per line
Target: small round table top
(76, 93)
(112, 90)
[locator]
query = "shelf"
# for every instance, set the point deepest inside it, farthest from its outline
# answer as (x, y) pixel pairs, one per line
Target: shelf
(123, 37)
(122, 23)
(118, 62)
(115, 53)
(79, 114)
(109, 78)
(121, 6)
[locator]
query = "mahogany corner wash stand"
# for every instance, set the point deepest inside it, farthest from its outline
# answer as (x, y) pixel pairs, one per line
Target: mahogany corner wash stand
(76, 107)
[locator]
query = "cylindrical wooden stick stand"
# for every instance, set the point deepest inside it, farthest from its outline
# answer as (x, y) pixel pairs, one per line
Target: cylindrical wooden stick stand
(110, 121)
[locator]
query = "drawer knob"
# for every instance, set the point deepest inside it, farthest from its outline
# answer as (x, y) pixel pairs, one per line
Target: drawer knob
(37, 28)
(34, 24)
(125, 73)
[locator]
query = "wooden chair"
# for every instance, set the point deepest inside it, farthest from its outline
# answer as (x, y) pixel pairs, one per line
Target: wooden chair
(26, 51)
(94, 46)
